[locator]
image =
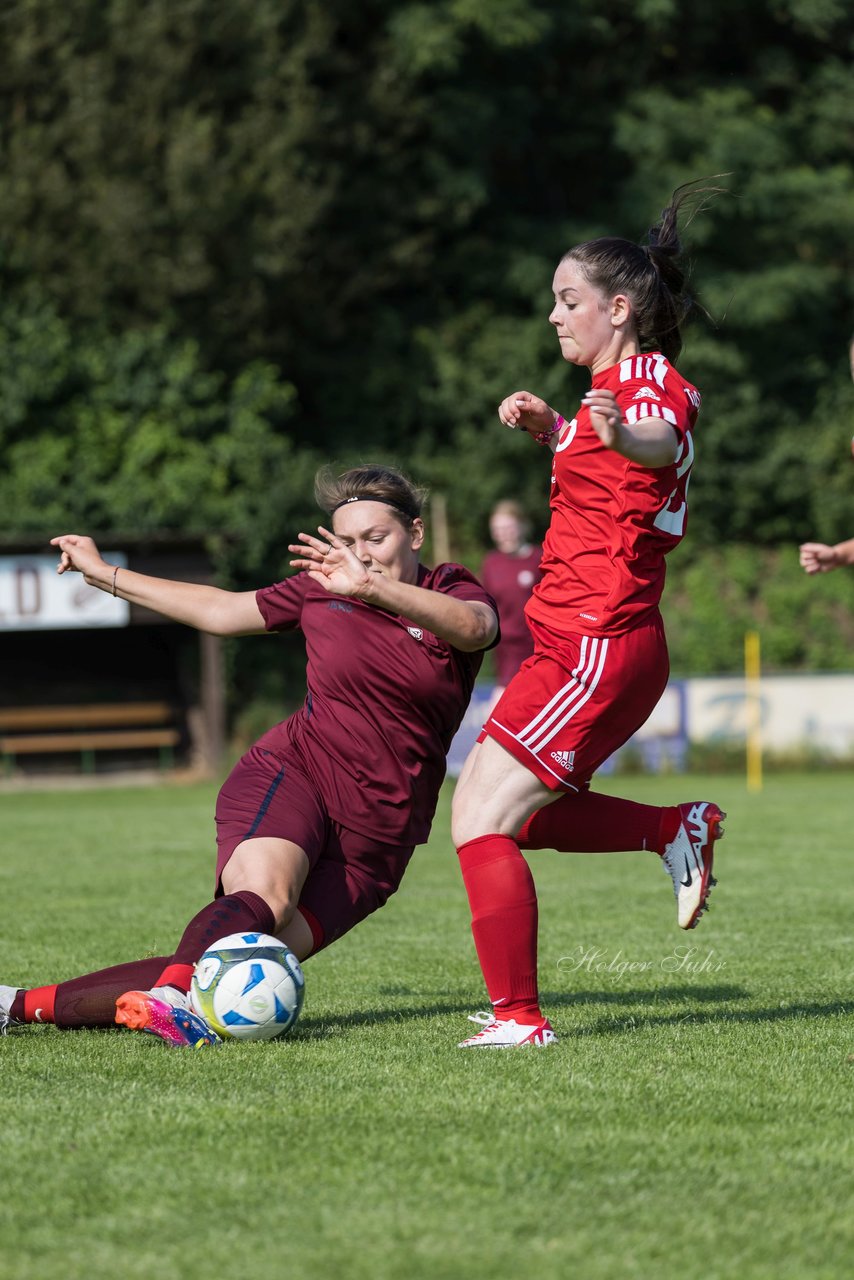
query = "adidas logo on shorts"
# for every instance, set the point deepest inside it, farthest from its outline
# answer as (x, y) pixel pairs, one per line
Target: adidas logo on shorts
(566, 759)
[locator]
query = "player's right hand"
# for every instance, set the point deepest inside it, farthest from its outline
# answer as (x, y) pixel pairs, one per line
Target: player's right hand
(331, 563)
(77, 552)
(527, 412)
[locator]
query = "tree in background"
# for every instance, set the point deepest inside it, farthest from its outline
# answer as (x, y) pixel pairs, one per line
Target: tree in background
(239, 236)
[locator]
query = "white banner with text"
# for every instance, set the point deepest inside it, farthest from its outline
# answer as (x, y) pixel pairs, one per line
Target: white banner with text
(34, 597)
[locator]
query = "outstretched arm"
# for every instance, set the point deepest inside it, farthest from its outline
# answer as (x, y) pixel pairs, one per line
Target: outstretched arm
(468, 625)
(651, 442)
(221, 613)
(818, 557)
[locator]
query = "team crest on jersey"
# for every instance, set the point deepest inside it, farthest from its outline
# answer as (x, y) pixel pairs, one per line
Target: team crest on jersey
(566, 759)
(416, 633)
(646, 393)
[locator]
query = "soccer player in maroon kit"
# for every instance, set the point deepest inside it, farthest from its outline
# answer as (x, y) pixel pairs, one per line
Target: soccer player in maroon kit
(317, 822)
(618, 506)
(510, 573)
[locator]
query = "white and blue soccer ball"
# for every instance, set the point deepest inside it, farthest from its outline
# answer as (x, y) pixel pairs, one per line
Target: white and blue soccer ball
(248, 986)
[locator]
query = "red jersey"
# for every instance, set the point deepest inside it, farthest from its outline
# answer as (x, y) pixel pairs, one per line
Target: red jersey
(613, 521)
(385, 698)
(510, 579)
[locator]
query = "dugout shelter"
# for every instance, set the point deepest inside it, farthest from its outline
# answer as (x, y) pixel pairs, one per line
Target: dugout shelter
(91, 683)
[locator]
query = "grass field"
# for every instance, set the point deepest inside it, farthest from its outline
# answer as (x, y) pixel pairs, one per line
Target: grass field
(695, 1119)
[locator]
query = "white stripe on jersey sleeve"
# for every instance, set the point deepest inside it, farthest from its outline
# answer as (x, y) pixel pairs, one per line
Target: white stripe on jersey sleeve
(644, 368)
(648, 409)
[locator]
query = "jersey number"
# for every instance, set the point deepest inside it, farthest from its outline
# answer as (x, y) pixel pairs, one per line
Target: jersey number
(671, 518)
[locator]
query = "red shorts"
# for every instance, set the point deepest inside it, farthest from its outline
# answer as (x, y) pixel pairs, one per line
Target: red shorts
(271, 794)
(578, 699)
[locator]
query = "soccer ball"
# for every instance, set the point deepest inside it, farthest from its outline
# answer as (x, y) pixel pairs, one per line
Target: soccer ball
(248, 986)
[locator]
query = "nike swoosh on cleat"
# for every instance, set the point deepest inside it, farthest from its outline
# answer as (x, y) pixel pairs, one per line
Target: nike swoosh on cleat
(686, 884)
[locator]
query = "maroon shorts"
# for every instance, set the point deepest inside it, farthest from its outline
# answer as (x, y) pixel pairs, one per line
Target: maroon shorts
(271, 794)
(578, 699)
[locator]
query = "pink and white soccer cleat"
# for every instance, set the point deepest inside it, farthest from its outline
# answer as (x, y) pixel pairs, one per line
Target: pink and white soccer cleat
(171, 1020)
(689, 856)
(507, 1033)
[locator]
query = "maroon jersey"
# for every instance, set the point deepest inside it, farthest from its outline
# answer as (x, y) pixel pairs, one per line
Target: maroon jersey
(613, 521)
(510, 579)
(385, 698)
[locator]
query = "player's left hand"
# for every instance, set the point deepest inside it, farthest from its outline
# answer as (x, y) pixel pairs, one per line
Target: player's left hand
(331, 562)
(606, 418)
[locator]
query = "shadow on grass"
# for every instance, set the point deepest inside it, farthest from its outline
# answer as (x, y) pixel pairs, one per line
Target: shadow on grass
(646, 995)
(690, 1013)
(787, 1011)
(323, 1025)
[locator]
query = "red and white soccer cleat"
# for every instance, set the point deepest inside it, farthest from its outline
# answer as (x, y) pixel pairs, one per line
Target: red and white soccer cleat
(689, 856)
(507, 1033)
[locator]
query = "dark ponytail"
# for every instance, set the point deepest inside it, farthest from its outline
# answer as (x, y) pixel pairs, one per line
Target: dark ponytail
(650, 275)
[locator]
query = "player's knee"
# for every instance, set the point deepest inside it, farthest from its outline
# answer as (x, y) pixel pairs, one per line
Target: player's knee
(274, 869)
(281, 895)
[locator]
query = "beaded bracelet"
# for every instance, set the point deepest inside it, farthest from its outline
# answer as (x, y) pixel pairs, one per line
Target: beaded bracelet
(543, 437)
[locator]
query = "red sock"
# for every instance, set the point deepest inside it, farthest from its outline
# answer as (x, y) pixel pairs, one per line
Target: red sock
(88, 1001)
(590, 822)
(503, 904)
(241, 912)
(35, 1005)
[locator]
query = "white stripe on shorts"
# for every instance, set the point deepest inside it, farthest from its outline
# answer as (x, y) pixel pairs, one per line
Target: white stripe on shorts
(569, 699)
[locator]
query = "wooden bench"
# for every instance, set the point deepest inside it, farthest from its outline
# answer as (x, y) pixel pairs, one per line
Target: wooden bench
(87, 729)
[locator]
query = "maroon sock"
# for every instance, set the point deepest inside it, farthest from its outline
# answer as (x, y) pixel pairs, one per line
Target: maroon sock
(88, 1001)
(241, 912)
(590, 822)
(503, 904)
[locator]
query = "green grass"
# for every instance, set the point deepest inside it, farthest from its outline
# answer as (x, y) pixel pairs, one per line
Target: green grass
(695, 1119)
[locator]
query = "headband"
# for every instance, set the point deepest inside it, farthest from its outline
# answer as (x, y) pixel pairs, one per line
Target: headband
(371, 497)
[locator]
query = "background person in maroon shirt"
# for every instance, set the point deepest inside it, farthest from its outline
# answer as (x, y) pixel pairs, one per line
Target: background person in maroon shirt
(510, 573)
(317, 822)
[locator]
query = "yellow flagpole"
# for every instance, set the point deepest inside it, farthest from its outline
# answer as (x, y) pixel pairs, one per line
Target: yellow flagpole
(753, 710)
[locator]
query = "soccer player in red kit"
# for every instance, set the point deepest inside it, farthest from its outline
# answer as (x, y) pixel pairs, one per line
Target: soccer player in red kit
(317, 822)
(619, 488)
(510, 573)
